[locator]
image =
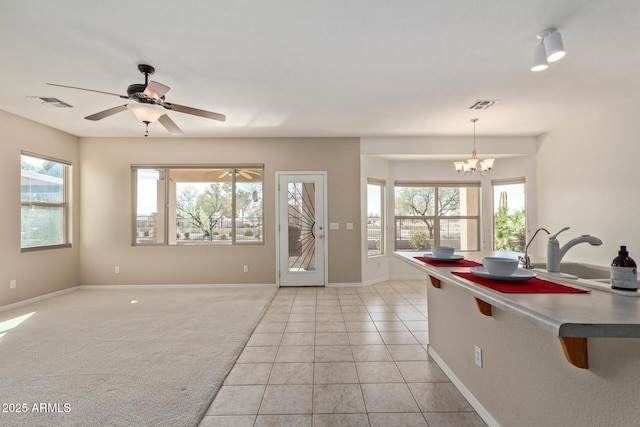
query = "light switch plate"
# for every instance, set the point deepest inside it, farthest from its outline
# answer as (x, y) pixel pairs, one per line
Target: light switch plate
(334, 226)
(349, 226)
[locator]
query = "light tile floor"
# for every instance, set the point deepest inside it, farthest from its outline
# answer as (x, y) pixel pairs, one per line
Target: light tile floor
(341, 357)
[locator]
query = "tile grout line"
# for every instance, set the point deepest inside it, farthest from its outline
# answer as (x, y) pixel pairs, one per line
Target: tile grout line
(389, 302)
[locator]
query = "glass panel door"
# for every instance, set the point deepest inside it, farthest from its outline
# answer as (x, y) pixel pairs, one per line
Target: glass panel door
(302, 230)
(301, 226)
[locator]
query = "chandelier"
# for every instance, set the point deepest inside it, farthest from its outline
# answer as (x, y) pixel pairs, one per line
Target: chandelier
(470, 166)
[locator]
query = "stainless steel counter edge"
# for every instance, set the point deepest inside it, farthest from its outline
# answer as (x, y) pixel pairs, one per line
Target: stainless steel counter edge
(596, 314)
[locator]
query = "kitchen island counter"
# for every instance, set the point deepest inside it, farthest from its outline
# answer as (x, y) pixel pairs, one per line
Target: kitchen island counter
(545, 359)
(593, 314)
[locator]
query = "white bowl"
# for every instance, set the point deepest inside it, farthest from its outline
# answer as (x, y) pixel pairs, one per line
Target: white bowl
(443, 251)
(500, 266)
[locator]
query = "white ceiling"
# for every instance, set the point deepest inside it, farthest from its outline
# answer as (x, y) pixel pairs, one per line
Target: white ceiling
(320, 68)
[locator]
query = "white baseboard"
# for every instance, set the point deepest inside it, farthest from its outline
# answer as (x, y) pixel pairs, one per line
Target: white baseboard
(36, 299)
(188, 286)
(185, 286)
(475, 403)
(200, 286)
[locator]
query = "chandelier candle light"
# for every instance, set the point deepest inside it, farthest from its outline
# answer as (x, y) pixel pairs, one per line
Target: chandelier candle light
(469, 166)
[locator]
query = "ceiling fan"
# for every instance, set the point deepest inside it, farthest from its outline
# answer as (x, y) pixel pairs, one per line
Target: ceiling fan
(246, 173)
(148, 98)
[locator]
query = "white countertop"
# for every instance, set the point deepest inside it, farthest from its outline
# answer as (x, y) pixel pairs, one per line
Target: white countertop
(594, 314)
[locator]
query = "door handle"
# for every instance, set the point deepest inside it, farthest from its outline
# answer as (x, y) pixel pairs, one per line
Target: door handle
(320, 236)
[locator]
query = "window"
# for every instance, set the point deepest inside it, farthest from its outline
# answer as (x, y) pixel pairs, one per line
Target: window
(198, 205)
(509, 219)
(375, 217)
(428, 215)
(44, 211)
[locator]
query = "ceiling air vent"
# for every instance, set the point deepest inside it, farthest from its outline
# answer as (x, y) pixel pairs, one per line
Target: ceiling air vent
(47, 100)
(483, 104)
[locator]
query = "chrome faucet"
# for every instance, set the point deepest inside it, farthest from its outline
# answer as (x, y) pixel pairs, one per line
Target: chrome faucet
(555, 253)
(524, 260)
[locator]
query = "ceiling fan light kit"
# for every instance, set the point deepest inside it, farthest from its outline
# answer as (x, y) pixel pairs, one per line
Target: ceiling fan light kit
(149, 103)
(550, 49)
(145, 113)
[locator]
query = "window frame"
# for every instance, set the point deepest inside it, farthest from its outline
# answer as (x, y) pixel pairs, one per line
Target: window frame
(65, 204)
(382, 184)
(166, 227)
(436, 185)
(506, 181)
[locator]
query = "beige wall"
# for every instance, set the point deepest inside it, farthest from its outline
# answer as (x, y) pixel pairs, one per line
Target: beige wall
(588, 177)
(40, 272)
(525, 379)
(106, 209)
(101, 210)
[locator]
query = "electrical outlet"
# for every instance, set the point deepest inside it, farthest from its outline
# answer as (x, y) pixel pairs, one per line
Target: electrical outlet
(116, 269)
(478, 356)
(12, 284)
(245, 268)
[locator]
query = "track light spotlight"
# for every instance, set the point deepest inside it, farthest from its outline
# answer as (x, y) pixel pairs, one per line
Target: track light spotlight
(550, 49)
(554, 46)
(539, 58)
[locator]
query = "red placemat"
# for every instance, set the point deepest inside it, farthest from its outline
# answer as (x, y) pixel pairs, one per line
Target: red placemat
(531, 286)
(461, 263)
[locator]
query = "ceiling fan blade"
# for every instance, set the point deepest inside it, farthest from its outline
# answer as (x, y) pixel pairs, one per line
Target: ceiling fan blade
(106, 113)
(170, 125)
(245, 174)
(156, 90)
(91, 90)
(194, 111)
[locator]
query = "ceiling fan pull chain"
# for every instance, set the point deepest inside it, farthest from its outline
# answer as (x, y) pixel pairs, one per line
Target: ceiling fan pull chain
(146, 134)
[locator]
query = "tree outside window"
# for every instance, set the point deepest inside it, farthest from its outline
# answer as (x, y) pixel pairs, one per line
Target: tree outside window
(428, 215)
(201, 210)
(204, 206)
(509, 216)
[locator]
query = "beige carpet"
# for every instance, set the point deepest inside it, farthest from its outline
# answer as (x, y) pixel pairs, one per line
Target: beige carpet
(149, 357)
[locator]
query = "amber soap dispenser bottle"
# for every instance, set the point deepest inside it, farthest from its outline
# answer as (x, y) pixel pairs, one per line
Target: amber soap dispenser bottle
(624, 272)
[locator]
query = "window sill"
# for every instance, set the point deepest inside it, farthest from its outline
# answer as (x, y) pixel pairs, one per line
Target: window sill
(44, 248)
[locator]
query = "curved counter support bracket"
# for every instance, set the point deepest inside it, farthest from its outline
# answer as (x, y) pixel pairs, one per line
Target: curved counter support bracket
(484, 307)
(435, 282)
(575, 350)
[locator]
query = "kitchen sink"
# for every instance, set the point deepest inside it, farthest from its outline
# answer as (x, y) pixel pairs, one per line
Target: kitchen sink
(589, 276)
(574, 270)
